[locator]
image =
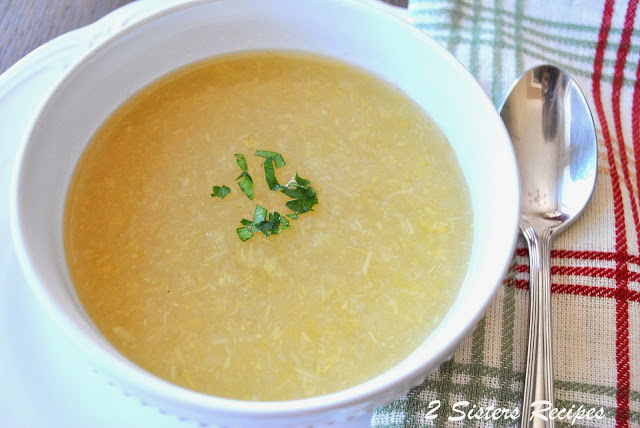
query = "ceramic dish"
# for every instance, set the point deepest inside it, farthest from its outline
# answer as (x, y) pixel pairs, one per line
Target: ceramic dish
(170, 35)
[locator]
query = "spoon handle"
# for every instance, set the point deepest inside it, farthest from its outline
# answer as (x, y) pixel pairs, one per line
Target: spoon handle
(538, 384)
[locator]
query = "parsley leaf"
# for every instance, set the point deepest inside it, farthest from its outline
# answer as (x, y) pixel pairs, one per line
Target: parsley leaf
(246, 184)
(301, 181)
(220, 192)
(267, 223)
(244, 233)
(269, 170)
(304, 197)
(277, 157)
(259, 215)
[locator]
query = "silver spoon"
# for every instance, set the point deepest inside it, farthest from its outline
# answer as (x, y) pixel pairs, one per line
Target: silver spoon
(554, 139)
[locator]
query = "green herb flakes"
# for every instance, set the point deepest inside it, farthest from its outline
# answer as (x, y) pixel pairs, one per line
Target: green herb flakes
(304, 197)
(267, 223)
(244, 233)
(269, 170)
(246, 182)
(220, 192)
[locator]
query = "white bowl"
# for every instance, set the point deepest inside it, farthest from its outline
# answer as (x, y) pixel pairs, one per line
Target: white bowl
(178, 34)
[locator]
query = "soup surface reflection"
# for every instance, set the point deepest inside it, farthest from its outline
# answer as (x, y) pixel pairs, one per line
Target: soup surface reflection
(348, 291)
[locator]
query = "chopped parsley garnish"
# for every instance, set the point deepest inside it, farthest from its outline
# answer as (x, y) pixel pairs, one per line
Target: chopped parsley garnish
(220, 192)
(246, 182)
(269, 171)
(302, 195)
(273, 225)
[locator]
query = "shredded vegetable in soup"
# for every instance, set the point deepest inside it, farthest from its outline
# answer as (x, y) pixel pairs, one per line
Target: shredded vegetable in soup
(268, 226)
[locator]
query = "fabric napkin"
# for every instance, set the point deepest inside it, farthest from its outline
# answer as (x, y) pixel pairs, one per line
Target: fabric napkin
(595, 263)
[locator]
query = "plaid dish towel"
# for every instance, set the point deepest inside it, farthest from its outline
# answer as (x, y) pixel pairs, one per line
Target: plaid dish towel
(595, 263)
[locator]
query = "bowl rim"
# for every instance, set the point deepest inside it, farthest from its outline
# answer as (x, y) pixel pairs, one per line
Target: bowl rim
(364, 392)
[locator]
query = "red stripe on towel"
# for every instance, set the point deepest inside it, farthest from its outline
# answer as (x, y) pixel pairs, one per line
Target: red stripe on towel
(618, 79)
(622, 304)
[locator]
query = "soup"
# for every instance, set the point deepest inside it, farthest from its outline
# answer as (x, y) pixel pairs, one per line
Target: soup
(354, 284)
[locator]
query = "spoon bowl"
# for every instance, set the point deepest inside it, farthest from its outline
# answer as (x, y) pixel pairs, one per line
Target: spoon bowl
(554, 139)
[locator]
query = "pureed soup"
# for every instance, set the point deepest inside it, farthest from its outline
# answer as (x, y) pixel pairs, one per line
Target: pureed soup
(336, 296)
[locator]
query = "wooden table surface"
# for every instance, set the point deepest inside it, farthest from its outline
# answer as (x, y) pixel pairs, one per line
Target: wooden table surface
(27, 24)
